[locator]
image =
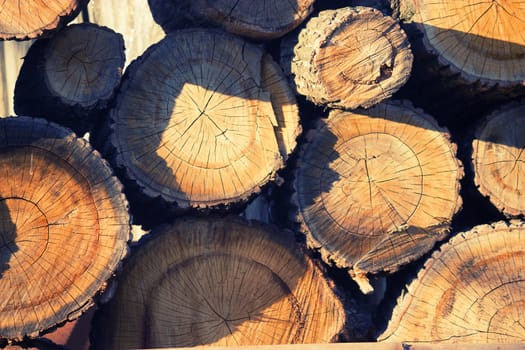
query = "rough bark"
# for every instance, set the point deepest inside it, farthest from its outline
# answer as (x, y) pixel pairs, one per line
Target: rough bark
(497, 158)
(218, 282)
(377, 188)
(70, 77)
(132, 19)
(201, 120)
(349, 57)
(470, 291)
(30, 19)
(64, 225)
(481, 41)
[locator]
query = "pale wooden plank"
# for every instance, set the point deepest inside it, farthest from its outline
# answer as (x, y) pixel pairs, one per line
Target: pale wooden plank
(11, 59)
(132, 19)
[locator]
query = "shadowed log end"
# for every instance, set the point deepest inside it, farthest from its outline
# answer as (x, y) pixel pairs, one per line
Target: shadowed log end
(470, 291)
(216, 131)
(377, 188)
(497, 158)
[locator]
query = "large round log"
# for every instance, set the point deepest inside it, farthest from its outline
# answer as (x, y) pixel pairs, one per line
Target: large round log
(377, 188)
(202, 119)
(30, 19)
(497, 158)
(480, 40)
(64, 225)
(70, 77)
(470, 291)
(348, 57)
(221, 282)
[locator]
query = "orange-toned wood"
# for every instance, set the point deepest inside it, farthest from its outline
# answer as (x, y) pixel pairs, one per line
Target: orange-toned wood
(471, 291)
(64, 225)
(218, 281)
(30, 19)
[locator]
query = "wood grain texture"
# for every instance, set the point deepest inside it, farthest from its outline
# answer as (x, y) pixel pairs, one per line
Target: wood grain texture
(64, 225)
(349, 57)
(481, 40)
(377, 188)
(30, 19)
(497, 158)
(221, 282)
(470, 291)
(195, 123)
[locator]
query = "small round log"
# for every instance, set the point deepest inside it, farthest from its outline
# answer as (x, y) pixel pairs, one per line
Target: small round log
(377, 188)
(64, 225)
(480, 40)
(220, 282)
(203, 119)
(497, 158)
(30, 19)
(470, 291)
(348, 57)
(70, 77)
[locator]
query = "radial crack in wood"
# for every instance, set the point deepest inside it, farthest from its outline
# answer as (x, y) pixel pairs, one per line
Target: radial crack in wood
(348, 57)
(30, 19)
(203, 119)
(470, 291)
(64, 225)
(219, 282)
(71, 76)
(377, 188)
(481, 40)
(498, 158)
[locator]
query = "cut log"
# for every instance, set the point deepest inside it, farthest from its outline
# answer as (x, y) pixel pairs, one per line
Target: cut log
(203, 119)
(70, 77)
(349, 57)
(481, 40)
(64, 225)
(30, 19)
(377, 188)
(470, 291)
(129, 18)
(261, 20)
(219, 282)
(497, 158)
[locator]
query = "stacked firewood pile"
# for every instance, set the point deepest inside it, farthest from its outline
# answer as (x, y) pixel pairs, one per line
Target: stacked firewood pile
(257, 173)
